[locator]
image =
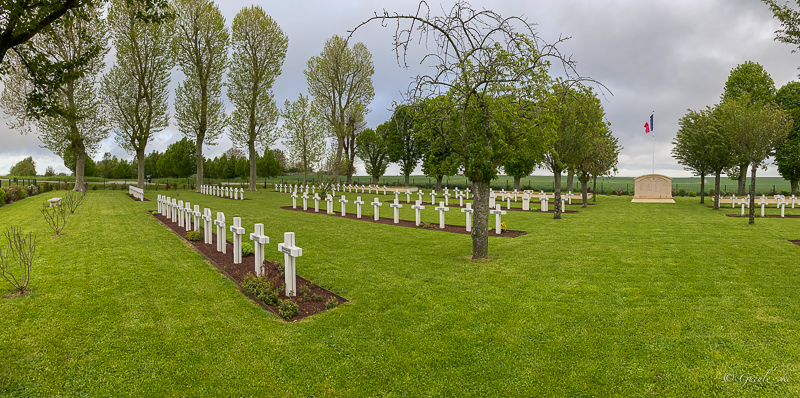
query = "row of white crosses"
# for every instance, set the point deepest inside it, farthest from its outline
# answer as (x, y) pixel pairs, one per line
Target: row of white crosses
(223, 192)
(137, 193)
(177, 210)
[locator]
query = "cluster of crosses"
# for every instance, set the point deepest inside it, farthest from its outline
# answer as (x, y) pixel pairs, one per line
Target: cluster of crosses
(223, 192)
(780, 202)
(189, 218)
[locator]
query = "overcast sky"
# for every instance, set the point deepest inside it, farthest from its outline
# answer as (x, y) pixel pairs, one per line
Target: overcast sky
(663, 56)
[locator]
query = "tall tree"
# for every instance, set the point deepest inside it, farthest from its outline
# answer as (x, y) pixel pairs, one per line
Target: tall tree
(25, 167)
(178, 159)
(136, 88)
(600, 154)
(692, 143)
(748, 78)
(304, 132)
(479, 56)
(259, 49)
(755, 129)
(76, 123)
(268, 166)
(340, 80)
(787, 156)
(404, 145)
(373, 150)
(202, 54)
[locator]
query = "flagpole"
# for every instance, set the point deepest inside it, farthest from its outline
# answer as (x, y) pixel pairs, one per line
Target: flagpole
(654, 143)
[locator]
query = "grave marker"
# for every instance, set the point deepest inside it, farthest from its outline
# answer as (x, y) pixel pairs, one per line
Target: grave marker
(497, 213)
(376, 207)
(468, 211)
(305, 201)
(343, 201)
(441, 209)
(329, 199)
(396, 207)
(358, 203)
(259, 240)
(207, 222)
(526, 202)
(238, 231)
(290, 253)
(181, 217)
(197, 215)
(221, 233)
(417, 207)
(294, 200)
(316, 203)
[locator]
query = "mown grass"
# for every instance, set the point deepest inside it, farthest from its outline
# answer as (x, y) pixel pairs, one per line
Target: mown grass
(621, 299)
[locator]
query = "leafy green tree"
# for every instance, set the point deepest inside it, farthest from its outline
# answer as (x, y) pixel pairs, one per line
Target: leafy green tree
(202, 43)
(25, 167)
(107, 164)
(136, 88)
(600, 154)
(404, 145)
(304, 133)
(151, 164)
(178, 160)
(76, 121)
(748, 78)
(259, 49)
(692, 143)
(340, 80)
(787, 156)
(438, 160)
(242, 168)
(480, 56)
(89, 169)
(122, 170)
(268, 165)
(372, 149)
(755, 129)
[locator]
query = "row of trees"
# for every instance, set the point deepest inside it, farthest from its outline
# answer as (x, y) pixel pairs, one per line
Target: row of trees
(750, 124)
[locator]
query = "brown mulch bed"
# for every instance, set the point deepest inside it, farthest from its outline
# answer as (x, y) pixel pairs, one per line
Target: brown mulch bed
(461, 207)
(551, 211)
(456, 229)
(238, 272)
(137, 199)
(796, 242)
(759, 216)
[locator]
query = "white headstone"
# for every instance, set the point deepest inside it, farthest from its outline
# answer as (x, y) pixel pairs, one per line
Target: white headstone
(446, 197)
(187, 214)
(329, 199)
(221, 233)
(290, 253)
(441, 209)
(419, 193)
(396, 207)
(181, 217)
(492, 199)
(526, 202)
(259, 240)
(384, 189)
(433, 197)
(408, 195)
(358, 203)
(376, 207)
(174, 211)
(467, 191)
(238, 231)
(497, 213)
(294, 200)
(468, 211)
(783, 207)
(733, 201)
(417, 207)
(763, 203)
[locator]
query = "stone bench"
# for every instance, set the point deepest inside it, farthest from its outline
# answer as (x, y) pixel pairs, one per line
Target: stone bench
(54, 202)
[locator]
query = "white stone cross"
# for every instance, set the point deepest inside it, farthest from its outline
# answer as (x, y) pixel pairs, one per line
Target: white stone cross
(396, 194)
(526, 202)
(468, 211)
(433, 197)
(333, 191)
(417, 207)
(376, 204)
(491, 198)
(290, 253)
(515, 195)
(419, 193)
(227, 192)
(783, 206)
(408, 195)
(343, 201)
(441, 209)
(305, 201)
(259, 240)
(329, 199)
(508, 200)
(316, 203)
(173, 210)
(276, 187)
(460, 197)
(741, 203)
(222, 246)
(793, 199)
(358, 203)
(446, 196)
(350, 188)
(369, 189)
(238, 231)
(763, 203)
(733, 201)
(207, 233)
(544, 199)
(187, 214)
(160, 211)
(396, 207)
(467, 191)
(181, 217)
(497, 213)
(384, 189)
(294, 200)
(241, 193)
(197, 215)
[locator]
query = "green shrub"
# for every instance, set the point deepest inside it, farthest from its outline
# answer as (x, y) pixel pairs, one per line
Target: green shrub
(12, 194)
(2, 196)
(287, 309)
(692, 194)
(331, 303)
(786, 193)
(303, 291)
(609, 192)
(619, 192)
(280, 267)
(22, 193)
(317, 297)
(682, 192)
(261, 288)
(194, 236)
(247, 249)
(95, 187)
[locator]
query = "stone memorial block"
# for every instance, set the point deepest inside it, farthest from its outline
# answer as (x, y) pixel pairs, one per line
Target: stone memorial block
(376, 207)
(653, 188)
(441, 209)
(497, 213)
(417, 207)
(237, 231)
(468, 211)
(526, 202)
(396, 207)
(222, 246)
(208, 234)
(290, 253)
(358, 203)
(259, 240)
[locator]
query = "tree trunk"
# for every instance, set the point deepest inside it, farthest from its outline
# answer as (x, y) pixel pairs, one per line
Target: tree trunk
(585, 193)
(480, 225)
(80, 169)
(702, 188)
(570, 180)
(516, 183)
(439, 183)
(253, 157)
(375, 181)
(742, 179)
(406, 179)
(557, 196)
(716, 190)
(140, 166)
(753, 196)
(594, 190)
(198, 160)
(794, 187)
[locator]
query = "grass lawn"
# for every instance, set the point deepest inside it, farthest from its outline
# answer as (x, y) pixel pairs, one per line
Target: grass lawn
(620, 299)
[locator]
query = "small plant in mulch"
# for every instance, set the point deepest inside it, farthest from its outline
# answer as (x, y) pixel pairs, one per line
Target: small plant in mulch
(247, 249)
(288, 308)
(280, 267)
(316, 298)
(194, 236)
(331, 303)
(428, 225)
(262, 288)
(503, 227)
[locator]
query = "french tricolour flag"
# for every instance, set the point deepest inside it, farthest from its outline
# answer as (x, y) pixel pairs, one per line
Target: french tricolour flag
(648, 126)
